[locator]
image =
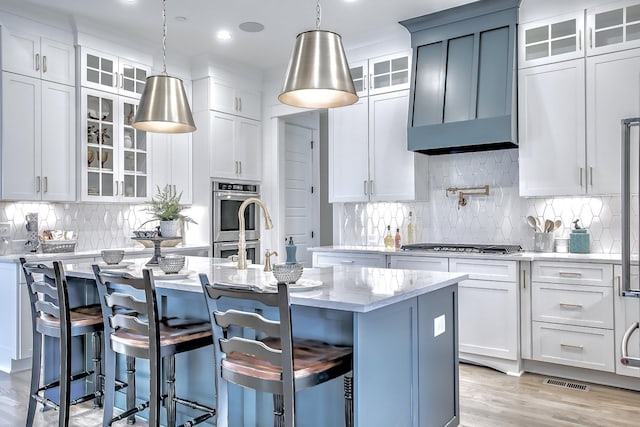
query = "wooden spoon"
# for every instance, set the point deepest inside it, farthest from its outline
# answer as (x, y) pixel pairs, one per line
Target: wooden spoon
(557, 224)
(548, 226)
(539, 224)
(532, 222)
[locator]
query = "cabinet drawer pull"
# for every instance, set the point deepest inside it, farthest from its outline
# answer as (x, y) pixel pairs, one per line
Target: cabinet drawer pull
(346, 262)
(115, 79)
(569, 274)
(46, 184)
(591, 176)
(366, 191)
(240, 104)
(371, 187)
(44, 63)
(580, 177)
(37, 62)
(571, 306)
(590, 38)
(122, 187)
(37, 184)
(619, 282)
(572, 346)
(117, 188)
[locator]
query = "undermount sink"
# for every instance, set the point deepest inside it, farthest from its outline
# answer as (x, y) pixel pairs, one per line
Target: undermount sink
(235, 265)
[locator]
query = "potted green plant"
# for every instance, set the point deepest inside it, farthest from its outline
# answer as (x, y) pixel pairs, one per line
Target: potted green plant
(165, 206)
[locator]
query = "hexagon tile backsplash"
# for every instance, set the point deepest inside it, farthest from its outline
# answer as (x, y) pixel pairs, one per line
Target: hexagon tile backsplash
(499, 217)
(98, 225)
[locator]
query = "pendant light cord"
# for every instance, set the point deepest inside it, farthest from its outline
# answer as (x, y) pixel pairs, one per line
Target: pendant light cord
(164, 37)
(318, 14)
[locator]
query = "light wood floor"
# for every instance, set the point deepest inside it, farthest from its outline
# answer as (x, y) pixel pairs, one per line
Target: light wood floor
(487, 399)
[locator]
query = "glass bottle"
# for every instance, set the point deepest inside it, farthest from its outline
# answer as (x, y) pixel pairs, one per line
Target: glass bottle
(410, 232)
(388, 239)
(398, 239)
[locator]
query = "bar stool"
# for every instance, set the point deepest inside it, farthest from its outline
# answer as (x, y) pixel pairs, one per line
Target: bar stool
(134, 329)
(274, 362)
(51, 316)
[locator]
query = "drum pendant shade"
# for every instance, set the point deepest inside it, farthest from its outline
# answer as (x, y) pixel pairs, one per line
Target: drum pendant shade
(318, 75)
(164, 107)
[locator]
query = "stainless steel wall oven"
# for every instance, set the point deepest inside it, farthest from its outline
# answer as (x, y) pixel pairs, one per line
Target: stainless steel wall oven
(227, 196)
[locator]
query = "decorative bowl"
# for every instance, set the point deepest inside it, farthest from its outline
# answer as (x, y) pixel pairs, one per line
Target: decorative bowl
(145, 233)
(288, 272)
(171, 263)
(112, 256)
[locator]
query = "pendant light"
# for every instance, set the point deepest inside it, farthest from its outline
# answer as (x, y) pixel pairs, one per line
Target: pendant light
(318, 75)
(164, 107)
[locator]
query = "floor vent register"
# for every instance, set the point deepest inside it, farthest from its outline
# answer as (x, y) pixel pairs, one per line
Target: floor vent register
(566, 384)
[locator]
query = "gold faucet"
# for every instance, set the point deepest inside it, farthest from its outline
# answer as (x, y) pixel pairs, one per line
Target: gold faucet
(267, 259)
(242, 243)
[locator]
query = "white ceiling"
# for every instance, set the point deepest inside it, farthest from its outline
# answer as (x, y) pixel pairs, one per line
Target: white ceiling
(360, 22)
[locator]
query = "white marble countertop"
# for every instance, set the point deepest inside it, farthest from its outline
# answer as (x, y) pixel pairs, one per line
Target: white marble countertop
(519, 256)
(128, 252)
(355, 289)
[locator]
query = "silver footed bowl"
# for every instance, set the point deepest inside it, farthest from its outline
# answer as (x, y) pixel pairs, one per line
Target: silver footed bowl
(171, 264)
(112, 256)
(287, 272)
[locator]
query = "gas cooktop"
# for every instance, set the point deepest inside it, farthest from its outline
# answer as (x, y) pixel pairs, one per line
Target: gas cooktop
(466, 248)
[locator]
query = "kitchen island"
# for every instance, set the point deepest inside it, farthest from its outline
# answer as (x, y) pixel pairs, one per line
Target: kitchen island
(402, 325)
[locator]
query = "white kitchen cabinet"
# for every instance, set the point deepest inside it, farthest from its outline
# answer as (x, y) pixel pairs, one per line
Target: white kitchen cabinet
(613, 27)
(488, 308)
(551, 129)
(381, 74)
(231, 97)
(110, 73)
(328, 259)
(234, 144)
(559, 38)
(410, 262)
(38, 139)
(114, 155)
(627, 312)
(39, 57)
(172, 164)
(613, 85)
(368, 157)
(572, 314)
(559, 101)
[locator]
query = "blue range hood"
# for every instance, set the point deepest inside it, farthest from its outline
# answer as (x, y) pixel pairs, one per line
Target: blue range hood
(464, 81)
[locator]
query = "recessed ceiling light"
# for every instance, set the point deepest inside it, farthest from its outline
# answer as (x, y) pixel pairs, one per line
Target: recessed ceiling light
(251, 27)
(181, 18)
(223, 35)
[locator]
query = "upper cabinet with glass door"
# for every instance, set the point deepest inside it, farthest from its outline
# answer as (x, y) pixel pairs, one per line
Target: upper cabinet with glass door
(111, 73)
(551, 40)
(613, 27)
(382, 74)
(114, 155)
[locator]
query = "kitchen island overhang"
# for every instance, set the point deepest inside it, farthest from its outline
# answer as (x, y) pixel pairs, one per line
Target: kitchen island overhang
(402, 325)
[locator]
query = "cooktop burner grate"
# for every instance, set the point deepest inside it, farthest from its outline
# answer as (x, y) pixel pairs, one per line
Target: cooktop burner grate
(467, 248)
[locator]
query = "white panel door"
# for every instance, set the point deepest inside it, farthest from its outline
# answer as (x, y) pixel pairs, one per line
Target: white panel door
(58, 142)
(160, 160)
(551, 129)
(391, 164)
(248, 150)
(21, 131)
(613, 93)
(222, 161)
(298, 197)
(349, 152)
(181, 169)
(19, 52)
(58, 62)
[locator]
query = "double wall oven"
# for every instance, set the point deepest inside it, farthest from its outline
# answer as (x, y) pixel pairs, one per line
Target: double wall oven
(227, 196)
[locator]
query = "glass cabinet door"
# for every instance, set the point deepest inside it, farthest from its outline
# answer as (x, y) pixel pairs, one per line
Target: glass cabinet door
(613, 27)
(551, 40)
(132, 78)
(99, 139)
(360, 76)
(389, 73)
(134, 181)
(99, 70)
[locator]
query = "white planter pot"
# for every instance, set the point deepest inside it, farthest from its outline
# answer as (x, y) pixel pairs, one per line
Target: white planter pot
(169, 228)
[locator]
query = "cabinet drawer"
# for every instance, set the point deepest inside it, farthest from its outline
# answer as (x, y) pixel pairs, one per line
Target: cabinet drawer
(573, 304)
(409, 262)
(589, 348)
(578, 273)
(484, 269)
(326, 259)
